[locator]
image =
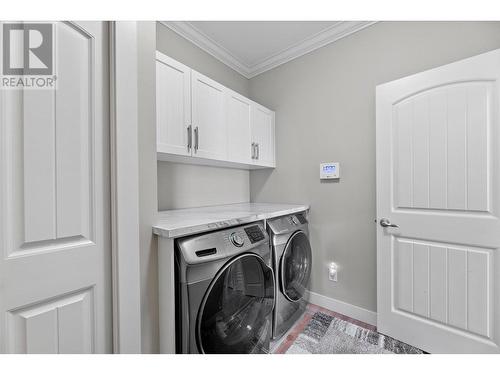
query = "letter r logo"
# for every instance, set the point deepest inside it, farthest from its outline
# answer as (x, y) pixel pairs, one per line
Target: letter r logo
(27, 49)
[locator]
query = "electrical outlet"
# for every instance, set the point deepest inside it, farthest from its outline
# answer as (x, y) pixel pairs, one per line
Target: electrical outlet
(332, 272)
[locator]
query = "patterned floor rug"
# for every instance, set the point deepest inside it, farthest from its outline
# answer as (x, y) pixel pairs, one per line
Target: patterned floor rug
(321, 331)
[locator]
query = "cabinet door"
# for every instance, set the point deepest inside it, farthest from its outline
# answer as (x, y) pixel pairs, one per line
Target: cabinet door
(238, 110)
(209, 126)
(173, 106)
(262, 127)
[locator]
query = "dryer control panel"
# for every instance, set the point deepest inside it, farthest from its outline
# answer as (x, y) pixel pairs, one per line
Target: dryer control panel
(289, 223)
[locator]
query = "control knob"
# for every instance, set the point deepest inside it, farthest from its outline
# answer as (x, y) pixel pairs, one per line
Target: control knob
(236, 239)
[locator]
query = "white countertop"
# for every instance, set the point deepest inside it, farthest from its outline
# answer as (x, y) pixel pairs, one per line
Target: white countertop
(179, 223)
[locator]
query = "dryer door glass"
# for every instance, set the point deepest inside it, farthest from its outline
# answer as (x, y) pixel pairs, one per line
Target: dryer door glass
(295, 266)
(235, 314)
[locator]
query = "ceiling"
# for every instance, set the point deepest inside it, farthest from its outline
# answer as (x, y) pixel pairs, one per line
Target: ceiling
(253, 47)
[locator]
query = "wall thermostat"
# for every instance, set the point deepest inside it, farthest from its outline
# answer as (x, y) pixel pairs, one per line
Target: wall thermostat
(329, 170)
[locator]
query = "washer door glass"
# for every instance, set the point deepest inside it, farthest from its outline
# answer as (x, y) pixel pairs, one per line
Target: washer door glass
(235, 314)
(295, 266)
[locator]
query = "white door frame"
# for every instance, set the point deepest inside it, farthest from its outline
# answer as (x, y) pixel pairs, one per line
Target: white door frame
(124, 186)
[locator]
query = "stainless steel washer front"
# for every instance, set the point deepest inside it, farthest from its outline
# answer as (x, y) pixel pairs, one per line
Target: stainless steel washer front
(225, 291)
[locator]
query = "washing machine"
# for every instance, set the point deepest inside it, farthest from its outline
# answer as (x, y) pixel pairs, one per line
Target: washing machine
(225, 291)
(292, 262)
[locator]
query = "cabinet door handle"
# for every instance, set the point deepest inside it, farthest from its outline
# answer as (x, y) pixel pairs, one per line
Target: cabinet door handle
(190, 137)
(253, 150)
(196, 139)
(258, 151)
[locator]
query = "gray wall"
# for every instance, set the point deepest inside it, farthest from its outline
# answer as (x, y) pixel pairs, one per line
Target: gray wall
(325, 111)
(146, 34)
(213, 186)
(182, 185)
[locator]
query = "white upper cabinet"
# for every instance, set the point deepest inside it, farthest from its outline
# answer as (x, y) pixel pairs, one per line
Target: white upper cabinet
(262, 130)
(209, 122)
(173, 106)
(238, 109)
(199, 121)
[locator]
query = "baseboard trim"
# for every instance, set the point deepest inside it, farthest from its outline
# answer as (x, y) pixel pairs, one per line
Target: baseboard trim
(344, 308)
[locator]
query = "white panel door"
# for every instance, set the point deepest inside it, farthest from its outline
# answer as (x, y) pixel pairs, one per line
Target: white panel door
(173, 106)
(262, 128)
(238, 128)
(438, 179)
(55, 271)
(209, 120)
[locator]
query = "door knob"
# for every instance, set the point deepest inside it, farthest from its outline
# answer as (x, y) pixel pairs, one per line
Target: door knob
(387, 223)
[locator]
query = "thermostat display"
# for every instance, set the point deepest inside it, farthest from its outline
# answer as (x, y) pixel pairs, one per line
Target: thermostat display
(329, 170)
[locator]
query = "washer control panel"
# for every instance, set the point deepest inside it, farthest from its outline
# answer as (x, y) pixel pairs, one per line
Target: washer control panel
(221, 244)
(254, 233)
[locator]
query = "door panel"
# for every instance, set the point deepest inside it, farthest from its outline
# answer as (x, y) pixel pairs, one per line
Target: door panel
(238, 128)
(444, 283)
(73, 133)
(209, 122)
(438, 178)
(442, 148)
(173, 106)
(39, 199)
(63, 325)
(54, 220)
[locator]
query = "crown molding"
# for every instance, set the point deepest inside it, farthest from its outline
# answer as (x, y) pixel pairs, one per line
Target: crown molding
(335, 32)
(198, 38)
(331, 34)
